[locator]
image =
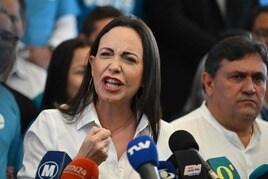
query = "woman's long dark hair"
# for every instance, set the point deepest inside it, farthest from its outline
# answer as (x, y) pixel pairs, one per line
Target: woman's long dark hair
(147, 99)
(56, 83)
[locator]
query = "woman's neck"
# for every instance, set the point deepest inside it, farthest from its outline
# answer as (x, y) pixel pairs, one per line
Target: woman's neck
(113, 117)
(122, 123)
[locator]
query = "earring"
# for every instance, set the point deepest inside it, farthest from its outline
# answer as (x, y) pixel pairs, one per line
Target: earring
(91, 84)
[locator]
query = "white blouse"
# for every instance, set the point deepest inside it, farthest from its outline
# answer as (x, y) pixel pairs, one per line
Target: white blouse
(51, 132)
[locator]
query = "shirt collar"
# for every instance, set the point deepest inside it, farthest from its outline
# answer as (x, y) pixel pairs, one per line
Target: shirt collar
(143, 126)
(18, 69)
(89, 116)
(232, 136)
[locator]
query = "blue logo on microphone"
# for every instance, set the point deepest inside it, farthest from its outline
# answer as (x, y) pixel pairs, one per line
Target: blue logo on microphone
(48, 170)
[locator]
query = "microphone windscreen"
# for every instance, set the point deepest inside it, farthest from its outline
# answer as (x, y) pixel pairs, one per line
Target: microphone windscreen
(52, 165)
(223, 168)
(182, 140)
(167, 170)
(81, 168)
(260, 173)
(142, 150)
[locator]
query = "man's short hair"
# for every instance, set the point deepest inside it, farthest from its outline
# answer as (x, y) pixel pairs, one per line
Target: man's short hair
(234, 48)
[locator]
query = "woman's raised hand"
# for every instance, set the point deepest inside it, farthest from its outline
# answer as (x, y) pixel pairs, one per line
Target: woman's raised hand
(96, 145)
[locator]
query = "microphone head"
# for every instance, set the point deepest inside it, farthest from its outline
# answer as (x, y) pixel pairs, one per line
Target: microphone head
(260, 173)
(81, 168)
(52, 165)
(182, 140)
(223, 167)
(166, 170)
(142, 150)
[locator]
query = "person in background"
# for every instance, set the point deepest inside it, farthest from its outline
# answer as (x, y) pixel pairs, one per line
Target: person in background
(114, 104)
(22, 77)
(25, 77)
(65, 72)
(235, 83)
(9, 111)
(260, 24)
(97, 19)
(48, 24)
(260, 30)
(198, 94)
(185, 30)
(127, 7)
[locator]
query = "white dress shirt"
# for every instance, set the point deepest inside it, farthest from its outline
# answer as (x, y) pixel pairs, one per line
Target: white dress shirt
(216, 141)
(51, 132)
(26, 77)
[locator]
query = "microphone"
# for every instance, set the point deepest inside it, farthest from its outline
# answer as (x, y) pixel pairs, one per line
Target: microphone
(81, 168)
(186, 157)
(260, 172)
(52, 165)
(143, 157)
(166, 170)
(223, 167)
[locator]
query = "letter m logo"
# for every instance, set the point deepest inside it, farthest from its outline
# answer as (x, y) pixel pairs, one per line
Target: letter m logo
(48, 170)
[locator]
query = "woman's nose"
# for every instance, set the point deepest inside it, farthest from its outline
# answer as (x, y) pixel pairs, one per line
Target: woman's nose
(115, 66)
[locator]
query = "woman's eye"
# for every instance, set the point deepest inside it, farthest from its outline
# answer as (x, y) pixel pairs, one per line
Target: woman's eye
(105, 54)
(129, 59)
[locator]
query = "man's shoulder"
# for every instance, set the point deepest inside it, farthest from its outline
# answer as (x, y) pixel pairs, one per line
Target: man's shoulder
(263, 125)
(8, 104)
(188, 118)
(166, 127)
(6, 95)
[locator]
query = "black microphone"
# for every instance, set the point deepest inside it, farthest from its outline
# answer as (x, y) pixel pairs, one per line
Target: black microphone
(186, 158)
(52, 165)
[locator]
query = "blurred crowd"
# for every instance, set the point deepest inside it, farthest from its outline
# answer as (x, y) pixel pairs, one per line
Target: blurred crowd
(45, 47)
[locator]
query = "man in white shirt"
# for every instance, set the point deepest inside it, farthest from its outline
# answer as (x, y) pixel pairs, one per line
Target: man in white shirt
(226, 125)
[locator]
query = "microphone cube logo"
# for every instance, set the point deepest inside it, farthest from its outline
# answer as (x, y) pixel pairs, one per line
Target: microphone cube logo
(223, 171)
(192, 170)
(48, 170)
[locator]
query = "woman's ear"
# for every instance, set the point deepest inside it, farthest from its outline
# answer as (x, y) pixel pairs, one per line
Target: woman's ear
(91, 59)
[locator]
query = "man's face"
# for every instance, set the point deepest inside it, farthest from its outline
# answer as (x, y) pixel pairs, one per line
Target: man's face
(260, 27)
(98, 26)
(6, 27)
(13, 9)
(7, 42)
(238, 88)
